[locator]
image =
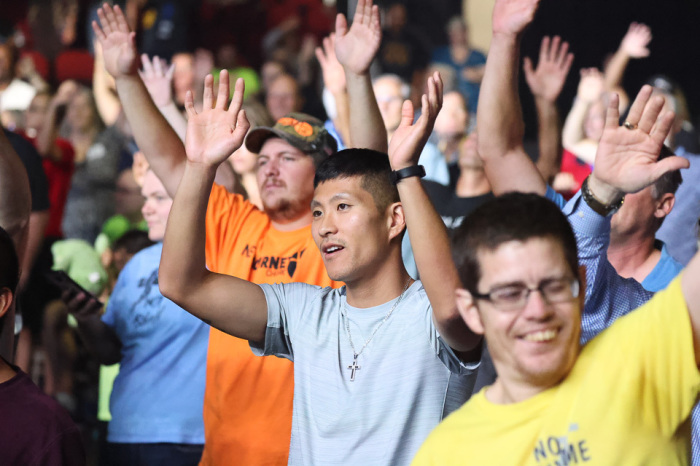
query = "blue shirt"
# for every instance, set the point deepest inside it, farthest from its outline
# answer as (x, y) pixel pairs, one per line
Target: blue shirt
(680, 228)
(470, 90)
(158, 395)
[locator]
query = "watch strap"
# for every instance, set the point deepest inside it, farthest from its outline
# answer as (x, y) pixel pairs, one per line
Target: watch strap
(415, 170)
(595, 204)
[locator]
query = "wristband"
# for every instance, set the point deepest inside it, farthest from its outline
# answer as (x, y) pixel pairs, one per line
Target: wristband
(415, 170)
(597, 206)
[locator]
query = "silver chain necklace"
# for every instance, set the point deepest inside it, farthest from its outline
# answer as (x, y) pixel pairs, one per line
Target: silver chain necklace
(354, 366)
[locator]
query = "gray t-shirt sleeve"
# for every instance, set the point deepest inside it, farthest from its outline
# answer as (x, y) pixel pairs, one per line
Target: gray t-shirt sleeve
(447, 354)
(287, 305)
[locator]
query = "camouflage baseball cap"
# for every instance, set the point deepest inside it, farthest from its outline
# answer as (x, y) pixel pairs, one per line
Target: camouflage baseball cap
(302, 131)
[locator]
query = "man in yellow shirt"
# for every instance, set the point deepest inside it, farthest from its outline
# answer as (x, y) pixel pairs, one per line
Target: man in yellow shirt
(626, 397)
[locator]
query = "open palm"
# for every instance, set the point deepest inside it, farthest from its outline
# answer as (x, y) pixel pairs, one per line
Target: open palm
(628, 158)
(356, 48)
(409, 138)
(215, 133)
(117, 41)
(511, 16)
(547, 80)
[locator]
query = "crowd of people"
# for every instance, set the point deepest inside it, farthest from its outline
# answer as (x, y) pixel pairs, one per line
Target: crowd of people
(337, 250)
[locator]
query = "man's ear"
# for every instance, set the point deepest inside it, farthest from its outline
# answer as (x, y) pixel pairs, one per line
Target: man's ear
(396, 222)
(664, 205)
(468, 310)
(5, 300)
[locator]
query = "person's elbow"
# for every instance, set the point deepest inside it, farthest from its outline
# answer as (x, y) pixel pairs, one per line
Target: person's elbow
(169, 285)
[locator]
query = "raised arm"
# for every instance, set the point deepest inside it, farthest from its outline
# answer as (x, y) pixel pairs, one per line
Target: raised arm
(106, 100)
(499, 117)
(334, 80)
(158, 78)
(626, 162)
(429, 240)
(355, 49)
(590, 90)
(46, 138)
(633, 45)
(154, 136)
(230, 304)
(546, 82)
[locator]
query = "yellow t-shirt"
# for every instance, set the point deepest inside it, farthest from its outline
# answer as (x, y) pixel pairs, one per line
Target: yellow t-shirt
(248, 399)
(627, 401)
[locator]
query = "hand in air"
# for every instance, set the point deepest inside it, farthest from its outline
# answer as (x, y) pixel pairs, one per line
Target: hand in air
(357, 47)
(510, 17)
(627, 156)
(409, 138)
(547, 80)
(158, 78)
(117, 40)
(216, 132)
(636, 41)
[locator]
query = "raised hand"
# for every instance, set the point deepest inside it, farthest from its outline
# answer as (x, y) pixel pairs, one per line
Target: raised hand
(547, 80)
(510, 17)
(409, 138)
(158, 78)
(591, 86)
(635, 42)
(357, 47)
(626, 160)
(66, 91)
(215, 133)
(333, 73)
(117, 40)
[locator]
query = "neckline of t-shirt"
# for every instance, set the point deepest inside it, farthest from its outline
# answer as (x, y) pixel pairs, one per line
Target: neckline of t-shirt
(384, 307)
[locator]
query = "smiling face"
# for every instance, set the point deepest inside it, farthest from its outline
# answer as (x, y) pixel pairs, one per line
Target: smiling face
(351, 232)
(286, 180)
(156, 206)
(537, 345)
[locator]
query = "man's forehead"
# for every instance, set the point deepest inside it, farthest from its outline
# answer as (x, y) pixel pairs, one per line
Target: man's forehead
(349, 187)
(521, 261)
(276, 145)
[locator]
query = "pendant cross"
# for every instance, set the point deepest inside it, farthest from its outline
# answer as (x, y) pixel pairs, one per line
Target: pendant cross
(353, 367)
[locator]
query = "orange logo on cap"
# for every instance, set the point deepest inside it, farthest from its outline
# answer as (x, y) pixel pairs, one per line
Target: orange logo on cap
(302, 128)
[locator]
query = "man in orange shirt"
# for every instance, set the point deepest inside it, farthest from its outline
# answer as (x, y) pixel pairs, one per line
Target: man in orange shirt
(248, 400)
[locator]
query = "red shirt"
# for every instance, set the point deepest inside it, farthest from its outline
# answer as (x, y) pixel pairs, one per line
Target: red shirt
(58, 175)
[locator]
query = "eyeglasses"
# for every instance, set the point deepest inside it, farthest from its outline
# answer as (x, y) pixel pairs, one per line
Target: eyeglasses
(514, 297)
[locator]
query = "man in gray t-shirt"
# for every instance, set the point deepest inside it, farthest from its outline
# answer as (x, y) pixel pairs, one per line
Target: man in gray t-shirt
(379, 362)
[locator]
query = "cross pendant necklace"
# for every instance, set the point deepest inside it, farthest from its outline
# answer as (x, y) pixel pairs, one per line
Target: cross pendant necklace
(353, 367)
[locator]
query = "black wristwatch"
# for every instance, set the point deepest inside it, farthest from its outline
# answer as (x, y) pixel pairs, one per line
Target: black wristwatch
(398, 175)
(595, 204)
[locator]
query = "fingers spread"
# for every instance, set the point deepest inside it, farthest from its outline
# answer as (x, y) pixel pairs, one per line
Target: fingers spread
(189, 104)
(407, 113)
(237, 101)
(651, 112)
(637, 108)
(224, 89)
(662, 127)
(612, 115)
(208, 98)
(147, 66)
(341, 25)
(98, 31)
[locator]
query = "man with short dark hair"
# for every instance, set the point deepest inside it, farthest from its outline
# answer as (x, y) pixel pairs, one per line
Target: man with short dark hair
(35, 429)
(378, 362)
(248, 400)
